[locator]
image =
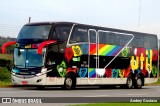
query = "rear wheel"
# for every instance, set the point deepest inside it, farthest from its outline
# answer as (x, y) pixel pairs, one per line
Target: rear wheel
(69, 82)
(139, 83)
(129, 83)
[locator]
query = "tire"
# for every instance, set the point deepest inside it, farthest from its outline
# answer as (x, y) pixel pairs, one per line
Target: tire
(69, 83)
(138, 83)
(129, 83)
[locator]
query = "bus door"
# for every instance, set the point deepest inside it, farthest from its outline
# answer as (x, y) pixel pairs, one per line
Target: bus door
(93, 56)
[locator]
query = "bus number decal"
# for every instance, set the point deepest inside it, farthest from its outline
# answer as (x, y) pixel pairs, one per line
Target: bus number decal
(28, 46)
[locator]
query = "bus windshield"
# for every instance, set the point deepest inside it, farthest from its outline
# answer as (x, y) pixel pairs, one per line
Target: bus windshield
(28, 58)
(34, 32)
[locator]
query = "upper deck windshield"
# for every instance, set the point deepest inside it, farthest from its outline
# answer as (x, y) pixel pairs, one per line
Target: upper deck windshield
(34, 32)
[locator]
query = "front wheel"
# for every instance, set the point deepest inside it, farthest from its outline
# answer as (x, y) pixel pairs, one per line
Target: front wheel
(69, 82)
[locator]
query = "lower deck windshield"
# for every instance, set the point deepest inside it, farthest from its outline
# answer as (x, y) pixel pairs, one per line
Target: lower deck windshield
(28, 58)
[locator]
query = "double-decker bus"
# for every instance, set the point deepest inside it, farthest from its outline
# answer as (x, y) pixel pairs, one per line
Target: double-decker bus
(69, 54)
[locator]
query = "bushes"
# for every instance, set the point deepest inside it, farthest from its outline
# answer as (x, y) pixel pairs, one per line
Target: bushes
(6, 63)
(5, 75)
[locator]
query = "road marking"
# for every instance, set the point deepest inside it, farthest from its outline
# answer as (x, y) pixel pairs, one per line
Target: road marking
(136, 94)
(24, 91)
(10, 92)
(97, 96)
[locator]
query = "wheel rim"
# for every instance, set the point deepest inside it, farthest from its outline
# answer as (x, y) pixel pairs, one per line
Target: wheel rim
(139, 83)
(129, 83)
(68, 83)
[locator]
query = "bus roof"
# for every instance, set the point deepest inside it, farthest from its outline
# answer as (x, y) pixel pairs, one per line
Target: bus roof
(92, 26)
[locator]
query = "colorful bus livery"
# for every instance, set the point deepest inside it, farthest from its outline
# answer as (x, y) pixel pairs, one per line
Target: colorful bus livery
(69, 54)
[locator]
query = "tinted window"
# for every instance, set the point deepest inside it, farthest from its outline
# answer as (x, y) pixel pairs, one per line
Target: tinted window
(34, 32)
(114, 38)
(145, 41)
(80, 34)
(92, 35)
(138, 41)
(150, 42)
(61, 33)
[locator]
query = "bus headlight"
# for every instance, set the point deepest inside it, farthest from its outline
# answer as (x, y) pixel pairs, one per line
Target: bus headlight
(44, 70)
(38, 74)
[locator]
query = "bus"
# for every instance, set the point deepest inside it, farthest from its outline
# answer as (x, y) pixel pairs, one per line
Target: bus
(70, 54)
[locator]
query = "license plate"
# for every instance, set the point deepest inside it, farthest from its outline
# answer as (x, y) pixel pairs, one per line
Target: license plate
(24, 83)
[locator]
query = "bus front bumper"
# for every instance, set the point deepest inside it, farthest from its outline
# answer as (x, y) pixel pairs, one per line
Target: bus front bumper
(28, 80)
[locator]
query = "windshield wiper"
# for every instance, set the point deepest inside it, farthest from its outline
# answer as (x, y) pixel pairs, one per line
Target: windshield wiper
(34, 66)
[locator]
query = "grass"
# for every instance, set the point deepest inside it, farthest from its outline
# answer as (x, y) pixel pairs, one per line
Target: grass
(158, 82)
(5, 84)
(6, 56)
(5, 77)
(119, 104)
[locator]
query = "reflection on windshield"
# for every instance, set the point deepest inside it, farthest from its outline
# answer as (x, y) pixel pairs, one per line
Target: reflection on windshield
(34, 59)
(19, 57)
(36, 31)
(28, 58)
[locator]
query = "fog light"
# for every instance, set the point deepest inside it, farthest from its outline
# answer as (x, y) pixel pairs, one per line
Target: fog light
(39, 80)
(13, 80)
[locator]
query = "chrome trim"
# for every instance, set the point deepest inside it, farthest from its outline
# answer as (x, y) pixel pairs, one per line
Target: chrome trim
(70, 36)
(122, 48)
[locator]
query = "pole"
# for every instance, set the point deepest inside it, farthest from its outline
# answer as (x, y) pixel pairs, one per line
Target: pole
(29, 20)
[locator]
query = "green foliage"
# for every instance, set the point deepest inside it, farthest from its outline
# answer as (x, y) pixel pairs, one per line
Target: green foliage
(6, 63)
(3, 40)
(5, 75)
(158, 82)
(6, 56)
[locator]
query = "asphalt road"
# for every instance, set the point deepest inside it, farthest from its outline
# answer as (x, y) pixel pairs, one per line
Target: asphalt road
(82, 92)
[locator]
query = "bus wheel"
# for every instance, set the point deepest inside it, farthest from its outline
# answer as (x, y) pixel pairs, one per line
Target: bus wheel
(69, 83)
(138, 83)
(129, 83)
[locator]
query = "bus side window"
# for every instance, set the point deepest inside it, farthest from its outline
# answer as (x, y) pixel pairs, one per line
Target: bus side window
(92, 35)
(147, 42)
(79, 35)
(53, 36)
(102, 38)
(61, 33)
(115, 38)
(150, 42)
(153, 42)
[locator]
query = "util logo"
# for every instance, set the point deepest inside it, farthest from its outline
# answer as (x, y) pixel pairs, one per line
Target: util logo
(141, 59)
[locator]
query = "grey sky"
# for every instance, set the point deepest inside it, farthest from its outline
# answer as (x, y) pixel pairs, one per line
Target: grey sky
(122, 14)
